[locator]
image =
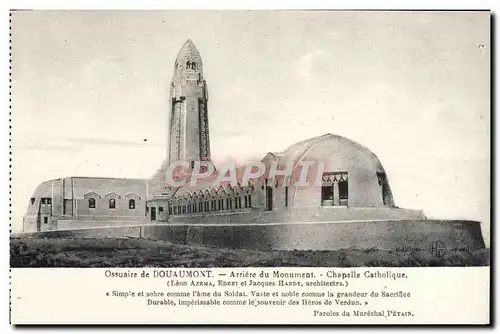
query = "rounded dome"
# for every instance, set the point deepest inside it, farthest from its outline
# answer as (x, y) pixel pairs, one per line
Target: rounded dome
(343, 159)
(339, 152)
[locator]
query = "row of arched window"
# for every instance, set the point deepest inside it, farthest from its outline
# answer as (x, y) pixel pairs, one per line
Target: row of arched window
(217, 204)
(111, 203)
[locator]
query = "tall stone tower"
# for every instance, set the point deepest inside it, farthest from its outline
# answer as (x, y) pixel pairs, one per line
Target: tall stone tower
(188, 128)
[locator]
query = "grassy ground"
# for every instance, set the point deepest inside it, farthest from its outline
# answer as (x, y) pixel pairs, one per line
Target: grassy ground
(86, 253)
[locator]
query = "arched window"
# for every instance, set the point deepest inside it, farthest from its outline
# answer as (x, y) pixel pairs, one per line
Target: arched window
(91, 203)
(112, 203)
(131, 204)
(188, 65)
(193, 65)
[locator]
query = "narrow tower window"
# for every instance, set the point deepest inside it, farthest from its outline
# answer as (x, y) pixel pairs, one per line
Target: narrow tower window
(91, 203)
(112, 203)
(131, 204)
(46, 200)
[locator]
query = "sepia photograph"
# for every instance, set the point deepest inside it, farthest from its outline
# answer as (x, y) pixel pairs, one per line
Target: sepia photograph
(230, 139)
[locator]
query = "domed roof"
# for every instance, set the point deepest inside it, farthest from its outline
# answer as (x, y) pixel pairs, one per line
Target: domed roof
(335, 150)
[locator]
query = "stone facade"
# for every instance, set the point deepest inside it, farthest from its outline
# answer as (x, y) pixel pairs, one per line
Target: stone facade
(188, 128)
(97, 201)
(351, 176)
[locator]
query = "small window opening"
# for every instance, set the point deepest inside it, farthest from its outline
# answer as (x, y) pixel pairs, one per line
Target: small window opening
(343, 192)
(327, 194)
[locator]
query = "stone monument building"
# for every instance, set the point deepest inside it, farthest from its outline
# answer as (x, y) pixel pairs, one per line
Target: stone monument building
(354, 184)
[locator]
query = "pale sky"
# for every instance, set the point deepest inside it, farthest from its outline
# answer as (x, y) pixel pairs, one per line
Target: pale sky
(89, 86)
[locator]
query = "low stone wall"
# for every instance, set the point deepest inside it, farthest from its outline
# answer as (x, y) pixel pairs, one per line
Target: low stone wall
(85, 224)
(90, 233)
(296, 215)
(167, 232)
(397, 235)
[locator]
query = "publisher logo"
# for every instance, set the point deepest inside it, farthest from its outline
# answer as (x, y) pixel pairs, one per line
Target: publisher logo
(437, 248)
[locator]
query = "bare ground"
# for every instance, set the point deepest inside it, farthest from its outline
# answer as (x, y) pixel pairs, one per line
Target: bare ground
(87, 253)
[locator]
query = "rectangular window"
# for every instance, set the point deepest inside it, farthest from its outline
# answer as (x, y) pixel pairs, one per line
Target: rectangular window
(327, 194)
(343, 192)
(334, 190)
(45, 219)
(153, 213)
(33, 201)
(160, 209)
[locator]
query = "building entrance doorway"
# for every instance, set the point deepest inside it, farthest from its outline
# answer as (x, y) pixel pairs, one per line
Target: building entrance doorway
(269, 198)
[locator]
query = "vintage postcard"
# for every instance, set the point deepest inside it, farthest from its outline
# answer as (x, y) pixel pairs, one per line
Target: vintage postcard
(250, 167)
